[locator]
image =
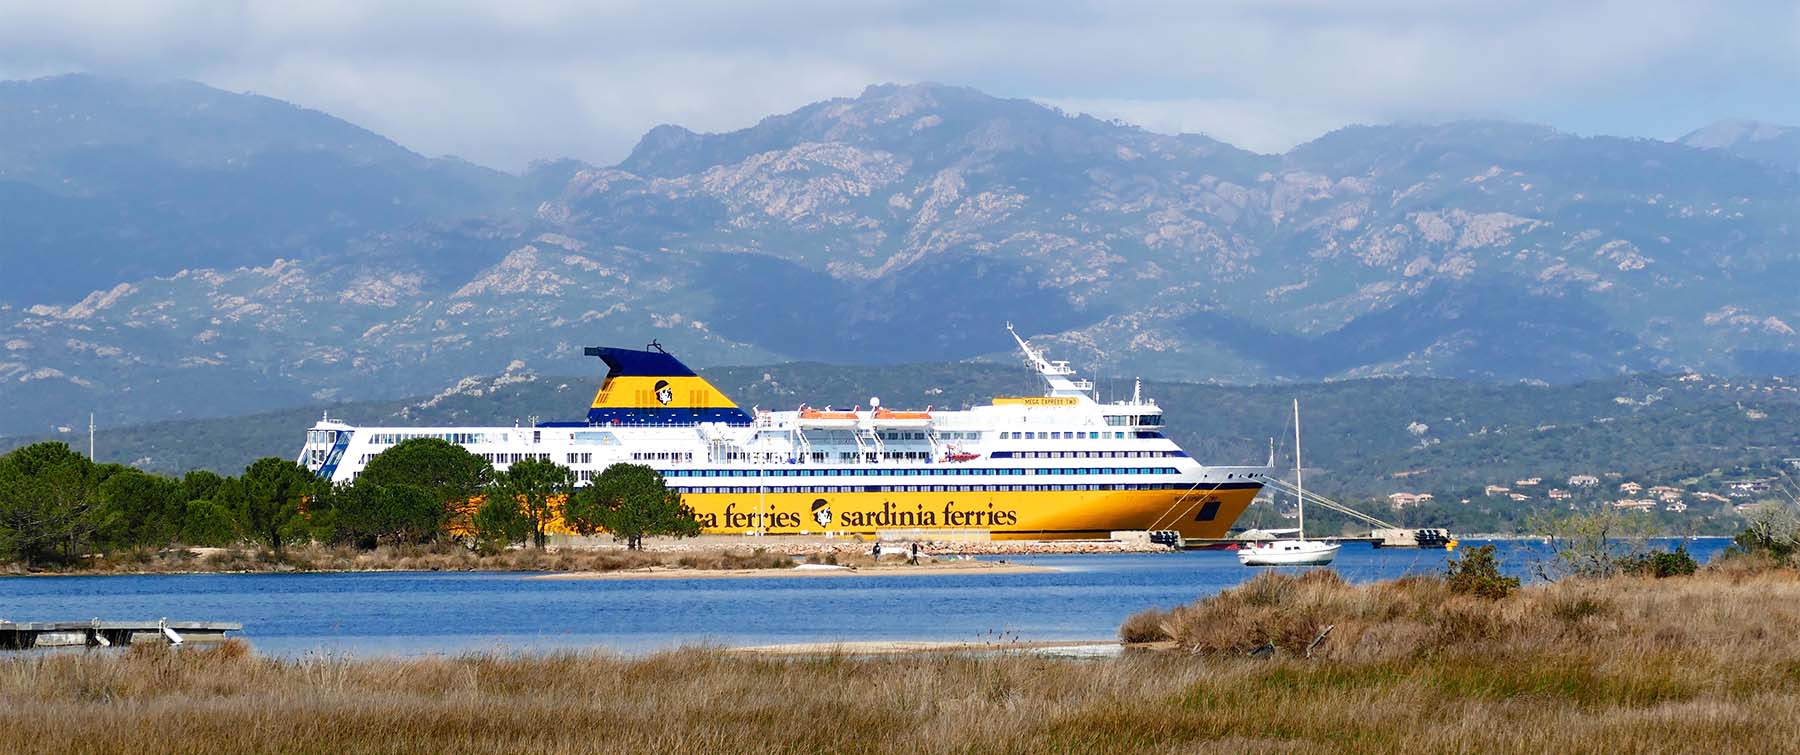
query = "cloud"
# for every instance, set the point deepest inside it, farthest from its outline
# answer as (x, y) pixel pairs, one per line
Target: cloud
(505, 81)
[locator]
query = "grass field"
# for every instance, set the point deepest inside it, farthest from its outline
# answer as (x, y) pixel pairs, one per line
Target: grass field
(1706, 663)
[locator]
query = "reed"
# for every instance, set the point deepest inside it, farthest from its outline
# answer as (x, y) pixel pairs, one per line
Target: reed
(1626, 665)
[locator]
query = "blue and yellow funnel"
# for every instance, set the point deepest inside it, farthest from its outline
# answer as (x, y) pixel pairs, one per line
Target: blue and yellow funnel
(652, 387)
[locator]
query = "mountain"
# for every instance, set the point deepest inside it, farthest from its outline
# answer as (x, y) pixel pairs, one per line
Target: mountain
(105, 181)
(906, 224)
(1763, 142)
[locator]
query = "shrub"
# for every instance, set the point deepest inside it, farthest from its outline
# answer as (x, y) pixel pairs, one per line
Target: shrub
(1149, 625)
(1478, 573)
(1661, 564)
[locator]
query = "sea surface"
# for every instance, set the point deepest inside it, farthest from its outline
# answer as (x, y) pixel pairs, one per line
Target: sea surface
(413, 613)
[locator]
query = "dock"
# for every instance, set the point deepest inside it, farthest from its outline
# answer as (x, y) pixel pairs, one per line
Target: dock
(1215, 543)
(25, 635)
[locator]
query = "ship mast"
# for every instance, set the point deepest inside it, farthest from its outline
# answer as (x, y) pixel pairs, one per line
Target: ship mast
(1299, 484)
(1057, 374)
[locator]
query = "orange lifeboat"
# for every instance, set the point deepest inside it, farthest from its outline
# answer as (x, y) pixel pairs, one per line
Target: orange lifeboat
(891, 414)
(823, 414)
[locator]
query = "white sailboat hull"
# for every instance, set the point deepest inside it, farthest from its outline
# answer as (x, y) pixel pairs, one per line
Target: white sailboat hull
(1289, 553)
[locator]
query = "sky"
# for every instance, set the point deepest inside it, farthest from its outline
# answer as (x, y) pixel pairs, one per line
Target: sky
(503, 82)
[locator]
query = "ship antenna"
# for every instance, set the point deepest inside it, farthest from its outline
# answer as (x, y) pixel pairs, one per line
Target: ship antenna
(654, 345)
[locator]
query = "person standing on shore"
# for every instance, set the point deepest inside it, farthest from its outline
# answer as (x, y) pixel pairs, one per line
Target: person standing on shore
(915, 555)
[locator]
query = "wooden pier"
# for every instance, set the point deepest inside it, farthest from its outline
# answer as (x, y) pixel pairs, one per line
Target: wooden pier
(26, 635)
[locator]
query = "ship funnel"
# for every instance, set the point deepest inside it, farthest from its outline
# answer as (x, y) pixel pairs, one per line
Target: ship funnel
(652, 387)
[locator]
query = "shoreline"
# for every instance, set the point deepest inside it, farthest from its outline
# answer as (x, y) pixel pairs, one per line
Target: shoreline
(908, 647)
(954, 567)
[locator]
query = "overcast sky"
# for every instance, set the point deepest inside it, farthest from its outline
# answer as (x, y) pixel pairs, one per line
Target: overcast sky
(504, 81)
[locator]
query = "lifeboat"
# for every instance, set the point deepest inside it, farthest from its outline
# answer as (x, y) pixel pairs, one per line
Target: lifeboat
(822, 414)
(891, 414)
(826, 418)
(954, 453)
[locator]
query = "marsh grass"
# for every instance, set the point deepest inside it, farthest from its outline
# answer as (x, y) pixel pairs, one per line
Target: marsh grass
(1710, 662)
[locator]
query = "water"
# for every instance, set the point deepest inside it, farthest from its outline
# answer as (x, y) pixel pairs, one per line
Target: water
(373, 614)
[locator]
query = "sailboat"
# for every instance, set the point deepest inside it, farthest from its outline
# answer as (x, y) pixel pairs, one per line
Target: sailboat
(1299, 551)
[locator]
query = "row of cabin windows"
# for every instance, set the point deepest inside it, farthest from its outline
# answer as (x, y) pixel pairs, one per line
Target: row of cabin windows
(933, 472)
(461, 439)
(512, 458)
(671, 456)
(1059, 435)
(933, 488)
(902, 436)
(872, 456)
(1125, 420)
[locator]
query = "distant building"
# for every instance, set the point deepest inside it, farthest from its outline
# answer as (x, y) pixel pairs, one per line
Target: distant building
(1558, 494)
(1634, 504)
(1528, 482)
(1496, 490)
(1676, 507)
(1403, 500)
(1583, 481)
(1751, 486)
(1518, 496)
(1631, 488)
(1714, 497)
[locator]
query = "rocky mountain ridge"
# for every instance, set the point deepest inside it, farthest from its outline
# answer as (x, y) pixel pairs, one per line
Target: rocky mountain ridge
(906, 224)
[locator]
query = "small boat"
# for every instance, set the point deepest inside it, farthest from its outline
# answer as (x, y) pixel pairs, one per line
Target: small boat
(1299, 551)
(956, 454)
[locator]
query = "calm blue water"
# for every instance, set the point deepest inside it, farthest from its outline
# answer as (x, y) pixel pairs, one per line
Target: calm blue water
(412, 613)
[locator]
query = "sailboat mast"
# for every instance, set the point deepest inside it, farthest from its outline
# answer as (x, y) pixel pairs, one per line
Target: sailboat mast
(1299, 484)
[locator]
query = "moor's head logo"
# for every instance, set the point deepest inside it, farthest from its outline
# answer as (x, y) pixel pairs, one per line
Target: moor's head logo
(821, 512)
(664, 394)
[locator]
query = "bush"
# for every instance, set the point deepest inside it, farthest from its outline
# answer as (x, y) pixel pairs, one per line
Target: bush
(1478, 573)
(1149, 625)
(1661, 564)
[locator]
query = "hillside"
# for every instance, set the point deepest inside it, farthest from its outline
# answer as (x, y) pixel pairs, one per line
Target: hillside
(212, 254)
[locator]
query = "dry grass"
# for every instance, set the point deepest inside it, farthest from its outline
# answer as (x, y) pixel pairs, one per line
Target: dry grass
(440, 557)
(1627, 665)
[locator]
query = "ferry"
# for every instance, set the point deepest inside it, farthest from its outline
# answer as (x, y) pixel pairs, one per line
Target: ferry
(1060, 465)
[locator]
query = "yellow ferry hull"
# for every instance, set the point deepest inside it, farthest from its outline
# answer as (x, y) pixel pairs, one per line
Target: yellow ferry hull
(1006, 515)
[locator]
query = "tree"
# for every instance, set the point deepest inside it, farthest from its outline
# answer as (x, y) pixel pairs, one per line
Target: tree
(498, 523)
(138, 508)
(47, 503)
(366, 514)
(1592, 544)
(536, 487)
(630, 501)
(206, 517)
(270, 498)
(449, 473)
